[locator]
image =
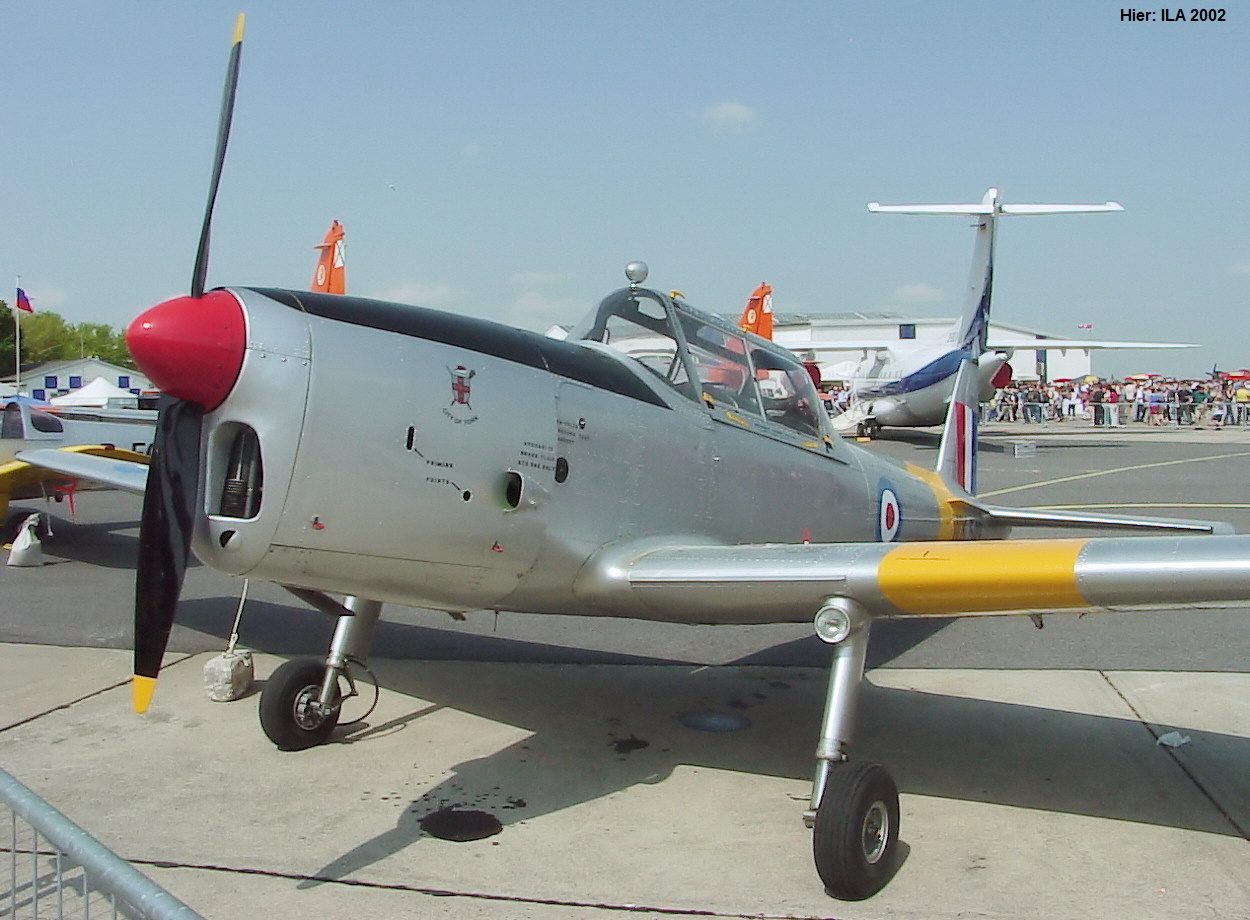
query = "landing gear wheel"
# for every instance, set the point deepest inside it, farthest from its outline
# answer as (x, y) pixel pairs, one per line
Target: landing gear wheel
(288, 706)
(856, 830)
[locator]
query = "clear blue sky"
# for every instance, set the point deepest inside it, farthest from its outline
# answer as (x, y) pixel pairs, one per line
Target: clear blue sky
(507, 159)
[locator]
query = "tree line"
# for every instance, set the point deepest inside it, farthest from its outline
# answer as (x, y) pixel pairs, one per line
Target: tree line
(48, 337)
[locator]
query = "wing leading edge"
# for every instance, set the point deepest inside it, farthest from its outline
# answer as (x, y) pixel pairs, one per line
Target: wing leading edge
(120, 469)
(791, 582)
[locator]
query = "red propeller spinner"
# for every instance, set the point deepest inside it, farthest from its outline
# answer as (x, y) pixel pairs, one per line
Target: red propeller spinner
(191, 348)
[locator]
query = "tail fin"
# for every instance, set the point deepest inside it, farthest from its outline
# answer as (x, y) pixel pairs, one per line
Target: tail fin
(330, 274)
(758, 315)
(957, 454)
(970, 334)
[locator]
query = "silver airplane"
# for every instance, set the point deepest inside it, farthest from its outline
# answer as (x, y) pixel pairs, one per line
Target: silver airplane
(691, 481)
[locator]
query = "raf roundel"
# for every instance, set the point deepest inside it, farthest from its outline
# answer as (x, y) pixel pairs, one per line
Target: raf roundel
(889, 516)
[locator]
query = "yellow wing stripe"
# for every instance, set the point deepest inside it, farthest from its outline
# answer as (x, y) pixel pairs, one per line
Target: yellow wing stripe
(938, 578)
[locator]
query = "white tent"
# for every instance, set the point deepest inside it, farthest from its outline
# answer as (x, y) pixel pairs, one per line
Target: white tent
(99, 394)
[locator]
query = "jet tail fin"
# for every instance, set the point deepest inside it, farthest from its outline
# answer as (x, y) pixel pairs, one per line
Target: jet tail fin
(330, 273)
(957, 453)
(970, 334)
(758, 315)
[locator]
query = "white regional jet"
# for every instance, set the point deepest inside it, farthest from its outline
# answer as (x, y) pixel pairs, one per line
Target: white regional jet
(908, 384)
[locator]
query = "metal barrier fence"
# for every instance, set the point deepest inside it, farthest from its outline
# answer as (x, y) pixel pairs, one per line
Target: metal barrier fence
(56, 869)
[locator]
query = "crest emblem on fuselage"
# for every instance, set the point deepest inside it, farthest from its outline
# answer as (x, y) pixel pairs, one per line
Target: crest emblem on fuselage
(460, 409)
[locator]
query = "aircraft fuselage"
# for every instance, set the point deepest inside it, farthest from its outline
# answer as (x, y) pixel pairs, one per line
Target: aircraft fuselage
(440, 461)
(921, 396)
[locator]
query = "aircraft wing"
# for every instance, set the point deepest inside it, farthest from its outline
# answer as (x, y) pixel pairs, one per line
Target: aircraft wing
(992, 345)
(849, 344)
(1083, 344)
(115, 467)
(790, 582)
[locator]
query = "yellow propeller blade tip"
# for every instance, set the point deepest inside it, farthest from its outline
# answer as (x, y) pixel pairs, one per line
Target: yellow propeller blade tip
(141, 690)
(238, 30)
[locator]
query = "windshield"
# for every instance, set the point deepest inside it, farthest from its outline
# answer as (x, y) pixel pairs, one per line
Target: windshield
(790, 397)
(706, 359)
(638, 323)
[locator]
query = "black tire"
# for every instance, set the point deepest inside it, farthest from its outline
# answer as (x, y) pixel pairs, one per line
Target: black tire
(855, 836)
(284, 712)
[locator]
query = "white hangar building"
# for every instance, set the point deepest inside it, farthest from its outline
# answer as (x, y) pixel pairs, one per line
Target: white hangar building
(56, 378)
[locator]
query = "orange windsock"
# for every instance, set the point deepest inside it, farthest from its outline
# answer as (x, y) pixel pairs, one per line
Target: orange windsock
(758, 315)
(330, 274)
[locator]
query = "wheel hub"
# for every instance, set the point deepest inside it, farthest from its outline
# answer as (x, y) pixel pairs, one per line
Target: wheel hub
(876, 832)
(307, 709)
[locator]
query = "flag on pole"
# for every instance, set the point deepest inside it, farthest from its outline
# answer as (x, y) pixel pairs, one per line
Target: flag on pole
(23, 302)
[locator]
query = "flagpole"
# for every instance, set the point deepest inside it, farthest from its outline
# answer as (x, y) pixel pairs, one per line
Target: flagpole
(17, 342)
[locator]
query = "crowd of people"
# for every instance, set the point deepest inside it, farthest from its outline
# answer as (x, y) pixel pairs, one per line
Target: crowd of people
(1213, 403)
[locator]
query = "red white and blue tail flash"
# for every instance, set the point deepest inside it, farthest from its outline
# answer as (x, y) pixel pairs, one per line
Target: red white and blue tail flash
(957, 455)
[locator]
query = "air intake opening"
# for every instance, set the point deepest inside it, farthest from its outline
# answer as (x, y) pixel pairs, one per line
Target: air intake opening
(244, 483)
(512, 489)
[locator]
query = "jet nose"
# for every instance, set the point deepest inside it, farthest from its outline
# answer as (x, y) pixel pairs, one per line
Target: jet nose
(191, 348)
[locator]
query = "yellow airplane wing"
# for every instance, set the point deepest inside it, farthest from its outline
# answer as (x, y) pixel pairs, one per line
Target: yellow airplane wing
(31, 473)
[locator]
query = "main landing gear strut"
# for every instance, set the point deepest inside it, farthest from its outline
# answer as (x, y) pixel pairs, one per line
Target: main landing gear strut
(299, 706)
(854, 806)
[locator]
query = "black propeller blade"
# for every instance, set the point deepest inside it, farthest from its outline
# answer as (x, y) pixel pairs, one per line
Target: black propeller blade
(223, 137)
(164, 536)
(174, 470)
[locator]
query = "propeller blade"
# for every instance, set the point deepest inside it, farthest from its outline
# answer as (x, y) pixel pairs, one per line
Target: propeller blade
(164, 537)
(223, 137)
(174, 469)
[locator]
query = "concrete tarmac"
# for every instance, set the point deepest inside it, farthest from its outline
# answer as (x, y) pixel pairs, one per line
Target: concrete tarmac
(1032, 780)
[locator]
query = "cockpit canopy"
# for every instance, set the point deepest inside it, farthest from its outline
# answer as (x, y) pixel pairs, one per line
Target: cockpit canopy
(20, 422)
(706, 359)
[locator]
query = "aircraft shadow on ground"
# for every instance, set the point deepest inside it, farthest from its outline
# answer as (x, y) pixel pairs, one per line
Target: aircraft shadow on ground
(927, 439)
(580, 749)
